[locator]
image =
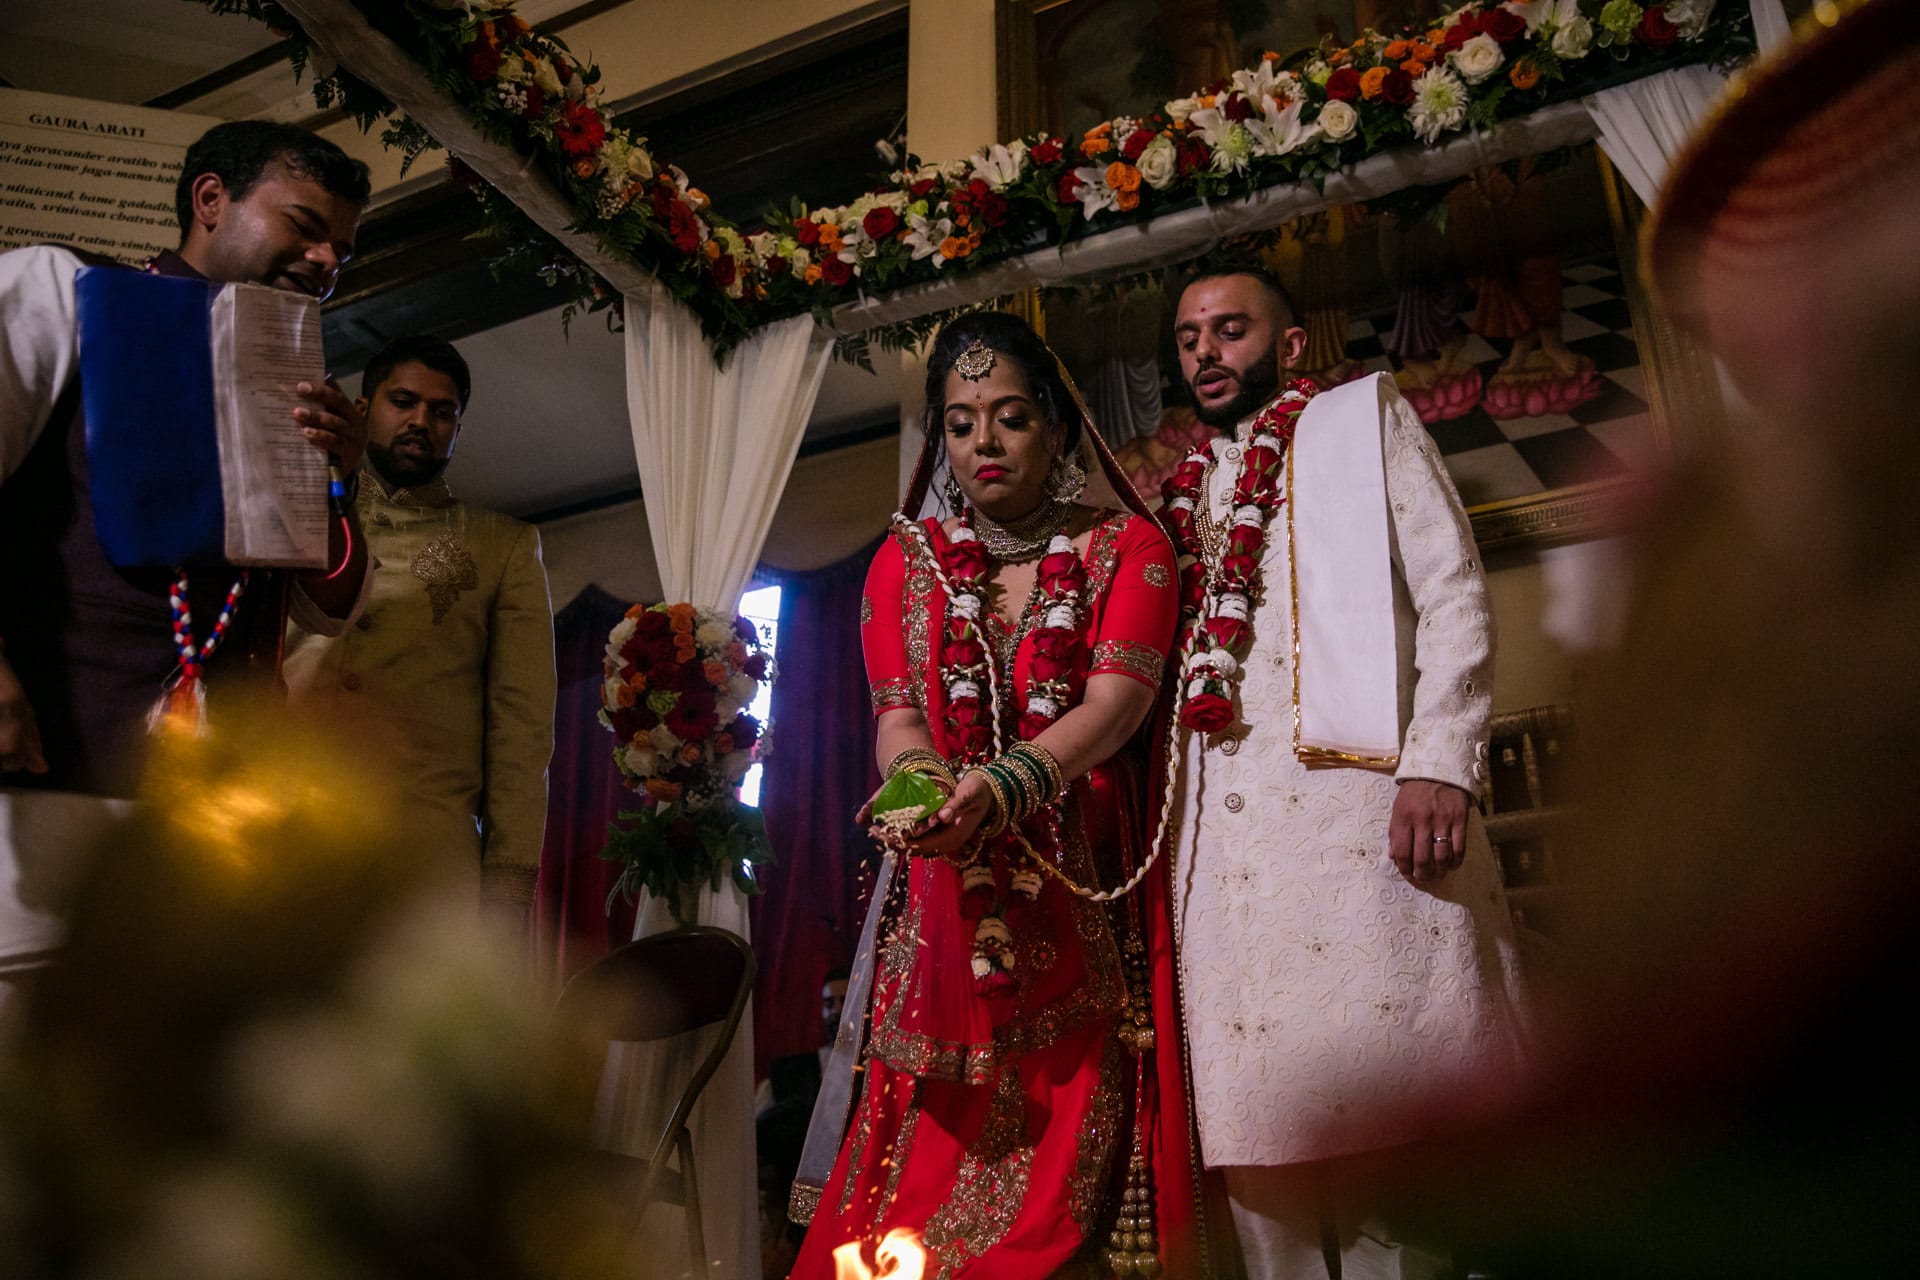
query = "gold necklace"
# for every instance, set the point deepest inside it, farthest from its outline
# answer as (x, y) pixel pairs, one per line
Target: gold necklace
(1213, 534)
(1024, 539)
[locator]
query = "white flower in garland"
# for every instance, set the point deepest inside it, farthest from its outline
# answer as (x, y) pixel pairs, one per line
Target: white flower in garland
(1690, 17)
(1180, 110)
(1534, 12)
(1262, 81)
(1439, 104)
(1337, 121)
(925, 235)
(514, 70)
(1095, 195)
(1478, 58)
(547, 78)
(1159, 164)
(1573, 38)
(799, 260)
(1279, 131)
(1233, 150)
(1001, 165)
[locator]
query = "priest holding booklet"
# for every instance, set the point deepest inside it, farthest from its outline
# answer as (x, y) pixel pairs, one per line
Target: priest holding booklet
(93, 653)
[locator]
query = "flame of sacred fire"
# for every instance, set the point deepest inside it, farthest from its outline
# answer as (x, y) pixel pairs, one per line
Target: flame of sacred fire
(899, 1255)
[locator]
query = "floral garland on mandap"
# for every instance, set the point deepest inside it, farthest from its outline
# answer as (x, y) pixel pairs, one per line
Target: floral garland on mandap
(1480, 63)
(678, 683)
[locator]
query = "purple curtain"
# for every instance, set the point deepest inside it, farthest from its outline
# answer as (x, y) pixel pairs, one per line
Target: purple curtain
(571, 926)
(819, 772)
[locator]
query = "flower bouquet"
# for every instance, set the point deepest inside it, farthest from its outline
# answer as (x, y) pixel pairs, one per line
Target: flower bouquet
(678, 682)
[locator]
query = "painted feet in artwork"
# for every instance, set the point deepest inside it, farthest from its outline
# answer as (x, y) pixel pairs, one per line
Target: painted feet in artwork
(1442, 387)
(1541, 376)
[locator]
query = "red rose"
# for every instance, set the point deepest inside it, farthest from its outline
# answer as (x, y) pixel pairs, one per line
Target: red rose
(880, 222)
(1031, 727)
(1054, 649)
(1068, 188)
(956, 653)
(1470, 24)
(652, 622)
(1208, 713)
(1137, 142)
(745, 730)
(1398, 88)
(1046, 151)
(1193, 157)
(536, 102)
(483, 60)
(664, 677)
(1228, 633)
(836, 271)
(1344, 85)
(682, 227)
(919, 189)
(1503, 25)
(807, 232)
(1655, 30)
(777, 265)
(993, 210)
(645, 719)
(723, 270)
(756, 666)
(1237, 108)
(743, 627)
(965, 559)
(580, 130)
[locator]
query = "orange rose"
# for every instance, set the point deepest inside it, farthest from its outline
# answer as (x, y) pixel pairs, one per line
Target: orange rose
(1337, 57)
(737, 653)
(1435, 36)
(963, 218)
(1090, 147)
(660, 791)
(1423, 51)
(623, 696)
(697, 198)
(812, 274)
(712, 249)
(690, 753)
(1126, 201)
(715, 672)
(681, 615)
(954, 247)
(1123, 177)
(585, 167)
(723, 744)
(1372, 81)
(1413, 66)
(1524, 74)
(1396, 50)
(635, 610)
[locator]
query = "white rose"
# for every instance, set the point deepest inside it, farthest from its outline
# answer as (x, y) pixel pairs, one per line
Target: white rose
(664, 740)
(735, 766)
(1180, 108)
(1338, 121)
(741, 687)
(1573, 38)
(712, 634)
(1478, 58)
(643, 761)
(639, 163)
(546, 77)
(1159, 164)
(610, 695)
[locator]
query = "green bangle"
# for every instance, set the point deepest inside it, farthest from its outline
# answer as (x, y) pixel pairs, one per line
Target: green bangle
(1056, 783)
(1035, 776)
(1016, 787)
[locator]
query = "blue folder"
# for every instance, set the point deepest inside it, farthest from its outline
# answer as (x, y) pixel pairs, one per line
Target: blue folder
(146, 379)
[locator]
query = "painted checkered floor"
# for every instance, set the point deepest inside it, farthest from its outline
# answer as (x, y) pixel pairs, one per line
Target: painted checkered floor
(1492, 460)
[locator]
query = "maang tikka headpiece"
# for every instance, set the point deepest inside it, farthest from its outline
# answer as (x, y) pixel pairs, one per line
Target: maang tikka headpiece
(976, 362)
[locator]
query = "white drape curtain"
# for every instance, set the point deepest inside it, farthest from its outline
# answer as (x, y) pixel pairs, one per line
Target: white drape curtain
(1643, 124)
(714, 447)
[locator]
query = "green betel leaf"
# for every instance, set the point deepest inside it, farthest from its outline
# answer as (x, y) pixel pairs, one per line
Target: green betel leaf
(906, 799)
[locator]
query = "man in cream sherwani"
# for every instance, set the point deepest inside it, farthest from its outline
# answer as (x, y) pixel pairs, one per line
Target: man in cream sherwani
(1346, 956)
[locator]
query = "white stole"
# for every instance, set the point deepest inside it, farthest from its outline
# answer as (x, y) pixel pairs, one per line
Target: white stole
(1346, 647)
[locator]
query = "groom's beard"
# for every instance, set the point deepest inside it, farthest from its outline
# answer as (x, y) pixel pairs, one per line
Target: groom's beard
(1257, 386)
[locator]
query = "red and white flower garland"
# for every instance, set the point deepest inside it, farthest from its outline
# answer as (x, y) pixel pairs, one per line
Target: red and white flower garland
(1216, 604)
(973, 723)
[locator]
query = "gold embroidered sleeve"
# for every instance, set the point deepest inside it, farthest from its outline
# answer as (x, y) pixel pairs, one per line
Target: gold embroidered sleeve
(890, 695)
(1129, 658)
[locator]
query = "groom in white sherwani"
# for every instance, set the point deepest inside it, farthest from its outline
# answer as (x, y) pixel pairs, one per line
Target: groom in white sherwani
(1346, 957)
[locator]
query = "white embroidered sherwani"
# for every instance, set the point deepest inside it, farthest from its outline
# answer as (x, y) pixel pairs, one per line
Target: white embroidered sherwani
(1323, 991)
(452, 667)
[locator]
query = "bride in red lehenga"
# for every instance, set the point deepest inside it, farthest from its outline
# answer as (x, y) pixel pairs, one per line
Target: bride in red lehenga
(1009, 1106)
